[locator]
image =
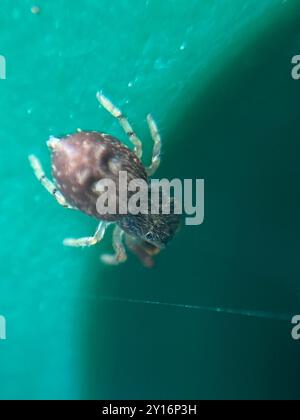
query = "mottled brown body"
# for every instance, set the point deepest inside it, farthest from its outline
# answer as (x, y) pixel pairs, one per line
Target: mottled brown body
(81, 160)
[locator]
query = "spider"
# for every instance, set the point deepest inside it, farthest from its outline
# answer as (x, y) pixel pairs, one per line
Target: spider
(80, 160)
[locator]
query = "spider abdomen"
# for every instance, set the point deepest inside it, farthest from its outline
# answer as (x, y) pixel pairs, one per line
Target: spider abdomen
(81, 160)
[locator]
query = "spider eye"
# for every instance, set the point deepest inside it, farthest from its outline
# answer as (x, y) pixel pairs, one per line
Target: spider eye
(149, 236)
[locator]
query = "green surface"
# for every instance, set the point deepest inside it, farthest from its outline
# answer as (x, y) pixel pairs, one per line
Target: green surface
(216, 76)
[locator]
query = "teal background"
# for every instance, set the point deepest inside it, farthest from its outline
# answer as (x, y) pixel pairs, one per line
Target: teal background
(217, 77)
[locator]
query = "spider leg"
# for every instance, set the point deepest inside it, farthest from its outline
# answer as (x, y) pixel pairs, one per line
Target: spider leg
(156, 148)
(117, 113)
(89, 241)
(145, 252)
(47, 183)
(120, 255)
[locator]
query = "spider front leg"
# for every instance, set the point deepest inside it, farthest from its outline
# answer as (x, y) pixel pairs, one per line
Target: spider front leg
(88, 241)
(47, 183)
(117, 113)
(156, 148)
(120, 255)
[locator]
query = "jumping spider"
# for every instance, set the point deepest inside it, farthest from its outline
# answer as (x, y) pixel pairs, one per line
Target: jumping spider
(80, 160)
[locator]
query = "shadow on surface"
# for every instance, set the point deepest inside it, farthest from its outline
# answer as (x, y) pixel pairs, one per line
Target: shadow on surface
(241, 136)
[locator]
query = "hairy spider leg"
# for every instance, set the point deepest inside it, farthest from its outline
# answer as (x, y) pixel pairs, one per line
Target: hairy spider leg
(117, 113)
(89, 241)
(156, 148)
(49, 185)
(120, 255)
